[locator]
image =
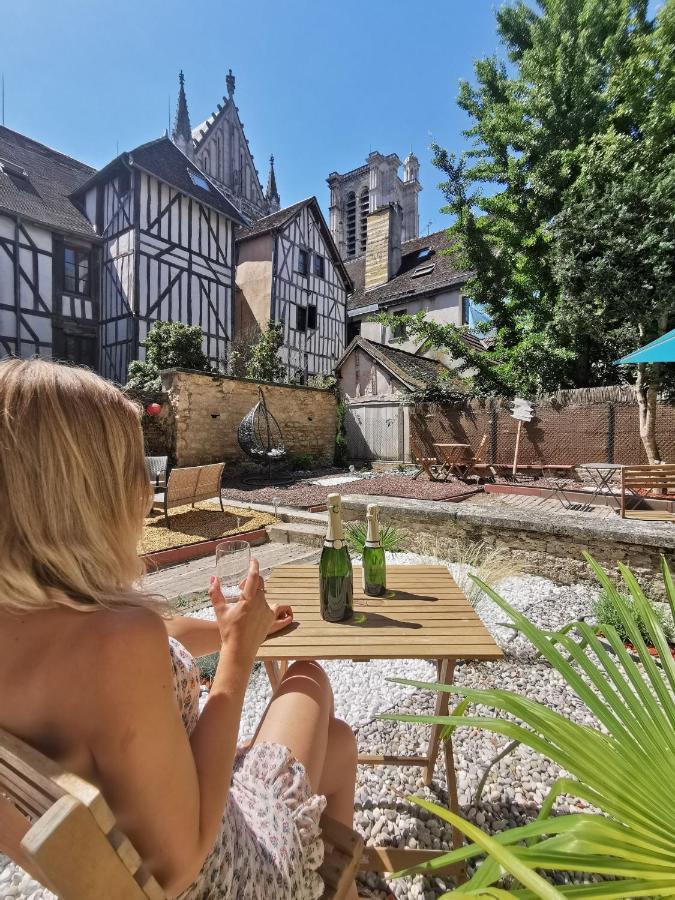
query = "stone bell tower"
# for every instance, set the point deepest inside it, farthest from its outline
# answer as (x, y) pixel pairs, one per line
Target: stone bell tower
(356, 194)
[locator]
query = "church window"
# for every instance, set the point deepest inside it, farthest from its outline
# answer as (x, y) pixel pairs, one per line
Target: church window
(219, 157)
(364, 209)
(76, 271)
(197, 180)
(351, 223)
(300, 318)
(303, 262)
(319, 265)
(311, 316)
(206, 162)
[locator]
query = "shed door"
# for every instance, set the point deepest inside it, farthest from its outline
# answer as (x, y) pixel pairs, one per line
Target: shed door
(375, 431)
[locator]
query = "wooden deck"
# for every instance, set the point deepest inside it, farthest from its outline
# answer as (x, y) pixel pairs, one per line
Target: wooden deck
(540, 505)
(189, 577)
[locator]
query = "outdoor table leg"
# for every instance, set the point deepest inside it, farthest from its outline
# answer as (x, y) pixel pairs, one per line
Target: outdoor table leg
(446, 671)
(275, 672)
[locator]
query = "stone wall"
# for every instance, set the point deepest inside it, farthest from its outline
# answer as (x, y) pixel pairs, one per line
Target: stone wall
(539, 544)
(159, 432)
(207, 410)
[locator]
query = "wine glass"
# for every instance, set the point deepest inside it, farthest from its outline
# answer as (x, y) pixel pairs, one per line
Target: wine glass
(233, 559)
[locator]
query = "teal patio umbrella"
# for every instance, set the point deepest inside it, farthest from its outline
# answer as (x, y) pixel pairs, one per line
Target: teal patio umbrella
(660, 350)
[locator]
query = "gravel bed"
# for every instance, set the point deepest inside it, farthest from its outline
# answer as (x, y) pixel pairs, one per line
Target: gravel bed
(302, 492)
(515, 788)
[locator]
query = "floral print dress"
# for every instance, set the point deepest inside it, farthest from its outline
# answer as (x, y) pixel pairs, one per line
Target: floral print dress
(269, 846)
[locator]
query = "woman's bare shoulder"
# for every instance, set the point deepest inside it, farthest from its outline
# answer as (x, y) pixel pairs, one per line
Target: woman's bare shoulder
(127, 641)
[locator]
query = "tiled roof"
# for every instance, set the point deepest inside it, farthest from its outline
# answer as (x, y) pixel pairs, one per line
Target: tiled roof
(445, 273)
(273, 222)
(51, 177)
(416, 372)
(165, 161)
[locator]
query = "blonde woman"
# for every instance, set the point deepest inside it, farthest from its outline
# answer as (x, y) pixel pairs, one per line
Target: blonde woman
(95, 675)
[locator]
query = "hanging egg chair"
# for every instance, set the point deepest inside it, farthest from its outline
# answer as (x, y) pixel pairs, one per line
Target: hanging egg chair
(259, 435)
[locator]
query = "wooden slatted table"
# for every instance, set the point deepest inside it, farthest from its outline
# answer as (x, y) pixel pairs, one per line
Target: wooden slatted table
(425, 615)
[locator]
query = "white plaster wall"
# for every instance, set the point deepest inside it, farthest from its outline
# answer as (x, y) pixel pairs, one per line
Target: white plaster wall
(444, 308)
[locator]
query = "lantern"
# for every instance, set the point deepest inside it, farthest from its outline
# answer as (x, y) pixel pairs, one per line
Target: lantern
(153, 409)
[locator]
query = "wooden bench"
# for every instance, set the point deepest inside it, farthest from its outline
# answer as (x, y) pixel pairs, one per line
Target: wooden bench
(659, 478)
(59, 828)
(190, 485)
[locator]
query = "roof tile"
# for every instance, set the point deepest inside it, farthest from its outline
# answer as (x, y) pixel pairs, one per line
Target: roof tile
(445, 273)
(45, 195)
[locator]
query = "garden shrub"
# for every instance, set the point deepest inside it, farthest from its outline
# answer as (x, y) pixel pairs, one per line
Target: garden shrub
(606, 613)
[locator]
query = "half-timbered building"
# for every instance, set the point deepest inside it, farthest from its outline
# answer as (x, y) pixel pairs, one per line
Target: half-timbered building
(49, 284)
(289, 271)
(167, 252)
(90, 260)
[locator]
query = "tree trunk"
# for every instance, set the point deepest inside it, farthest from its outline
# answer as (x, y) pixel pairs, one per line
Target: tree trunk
(646, 394)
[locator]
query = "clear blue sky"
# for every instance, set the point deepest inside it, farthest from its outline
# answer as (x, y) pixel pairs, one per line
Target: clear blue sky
(318, 84)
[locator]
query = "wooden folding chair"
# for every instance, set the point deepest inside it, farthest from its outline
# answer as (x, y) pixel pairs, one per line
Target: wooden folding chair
(59, 828)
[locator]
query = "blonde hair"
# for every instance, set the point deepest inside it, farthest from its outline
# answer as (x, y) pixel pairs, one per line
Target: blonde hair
(73, 489)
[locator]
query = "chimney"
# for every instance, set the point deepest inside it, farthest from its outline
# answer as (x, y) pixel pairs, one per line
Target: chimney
(383, 246)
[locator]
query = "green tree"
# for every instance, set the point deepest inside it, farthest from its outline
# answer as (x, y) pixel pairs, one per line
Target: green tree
(614, 240)
(168, 345)
(532, 116)
(259, 357)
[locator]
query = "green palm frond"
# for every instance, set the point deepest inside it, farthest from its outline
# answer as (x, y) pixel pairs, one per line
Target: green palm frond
(624, 766)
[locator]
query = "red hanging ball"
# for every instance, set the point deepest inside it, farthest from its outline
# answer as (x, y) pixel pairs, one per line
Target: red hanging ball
(153, 409)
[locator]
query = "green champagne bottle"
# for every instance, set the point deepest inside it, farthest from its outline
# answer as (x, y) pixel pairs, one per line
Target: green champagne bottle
(374, 566)
(335, 568)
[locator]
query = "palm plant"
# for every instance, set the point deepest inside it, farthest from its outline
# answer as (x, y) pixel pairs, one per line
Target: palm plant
(391, 538)
(624, 767)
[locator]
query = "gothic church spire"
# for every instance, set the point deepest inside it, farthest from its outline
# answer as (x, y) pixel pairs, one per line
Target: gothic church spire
(272, 194)
(182, 131)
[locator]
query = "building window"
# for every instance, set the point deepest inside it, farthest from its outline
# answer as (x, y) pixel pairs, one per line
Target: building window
(364, 209)
(311, 317)
(76, 271)
(319, 266)
(300, 318)
(303, 262)
(466, 311)
(198, 181)
(398, 331)
(351, 223)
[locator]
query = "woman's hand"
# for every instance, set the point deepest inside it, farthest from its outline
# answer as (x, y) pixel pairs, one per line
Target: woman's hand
(245, 623)
(283, 616)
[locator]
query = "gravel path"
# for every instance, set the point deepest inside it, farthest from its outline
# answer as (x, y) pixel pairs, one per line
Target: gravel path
(515, 788)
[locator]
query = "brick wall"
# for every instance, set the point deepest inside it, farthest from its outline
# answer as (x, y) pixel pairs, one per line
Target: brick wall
(207, 410)
(575, 427)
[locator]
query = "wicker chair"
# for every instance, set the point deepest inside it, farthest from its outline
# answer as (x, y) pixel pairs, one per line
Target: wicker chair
(260, 436)
(156, 467)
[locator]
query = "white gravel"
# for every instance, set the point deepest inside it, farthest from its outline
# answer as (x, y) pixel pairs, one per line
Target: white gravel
(515, 788)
